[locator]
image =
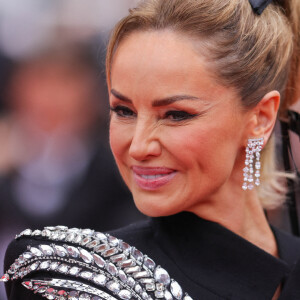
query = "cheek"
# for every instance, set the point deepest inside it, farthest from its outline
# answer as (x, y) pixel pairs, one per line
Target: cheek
(119, 138)
(203, 148)
(116, 140)
(119, 142)
(188, 144)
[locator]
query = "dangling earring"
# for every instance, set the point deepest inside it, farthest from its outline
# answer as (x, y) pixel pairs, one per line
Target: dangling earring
(252, 161)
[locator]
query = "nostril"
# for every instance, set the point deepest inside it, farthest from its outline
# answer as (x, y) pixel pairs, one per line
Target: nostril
(144, 150)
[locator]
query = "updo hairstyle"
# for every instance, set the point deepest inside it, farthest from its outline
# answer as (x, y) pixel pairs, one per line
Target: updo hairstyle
(252, 53)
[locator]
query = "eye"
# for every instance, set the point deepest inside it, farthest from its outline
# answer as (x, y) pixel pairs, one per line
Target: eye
(123, 111)
(179, 115)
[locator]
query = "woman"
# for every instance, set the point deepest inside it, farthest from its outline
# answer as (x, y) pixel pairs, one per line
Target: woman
(195, 87)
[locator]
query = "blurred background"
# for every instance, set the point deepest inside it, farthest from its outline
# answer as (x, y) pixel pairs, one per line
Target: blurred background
(55, 162)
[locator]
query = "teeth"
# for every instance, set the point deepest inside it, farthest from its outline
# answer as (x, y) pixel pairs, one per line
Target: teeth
(150, 177)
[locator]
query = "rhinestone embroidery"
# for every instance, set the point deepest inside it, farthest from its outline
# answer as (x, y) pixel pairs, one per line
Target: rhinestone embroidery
(117, 269)
(66, 289)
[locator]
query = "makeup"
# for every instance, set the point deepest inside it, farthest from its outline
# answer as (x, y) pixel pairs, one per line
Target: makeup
(152, 178)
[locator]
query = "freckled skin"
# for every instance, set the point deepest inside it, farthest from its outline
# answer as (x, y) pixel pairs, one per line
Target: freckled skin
(207, 151)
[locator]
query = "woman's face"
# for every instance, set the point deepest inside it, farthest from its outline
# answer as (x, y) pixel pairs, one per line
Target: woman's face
(177, 135)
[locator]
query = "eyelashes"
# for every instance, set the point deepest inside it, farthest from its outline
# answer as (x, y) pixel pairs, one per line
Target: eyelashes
(173, 115)
(179, 115)
(123, 111)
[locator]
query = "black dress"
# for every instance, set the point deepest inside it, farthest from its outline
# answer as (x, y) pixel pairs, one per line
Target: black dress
(180, 257)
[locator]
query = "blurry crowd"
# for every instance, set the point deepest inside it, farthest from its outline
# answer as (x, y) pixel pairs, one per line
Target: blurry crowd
(55, 162)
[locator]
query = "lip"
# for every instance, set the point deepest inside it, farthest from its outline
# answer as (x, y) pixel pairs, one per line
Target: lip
(152, 178)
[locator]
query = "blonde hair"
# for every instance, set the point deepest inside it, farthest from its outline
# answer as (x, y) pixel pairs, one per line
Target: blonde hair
(254, 54)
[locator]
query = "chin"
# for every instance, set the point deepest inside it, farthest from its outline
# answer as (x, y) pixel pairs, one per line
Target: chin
(152, 207)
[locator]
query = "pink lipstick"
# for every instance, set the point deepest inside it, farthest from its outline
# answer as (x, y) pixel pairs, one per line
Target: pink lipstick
(152, 178)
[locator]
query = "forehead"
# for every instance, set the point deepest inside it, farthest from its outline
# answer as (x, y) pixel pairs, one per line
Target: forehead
(161, 62)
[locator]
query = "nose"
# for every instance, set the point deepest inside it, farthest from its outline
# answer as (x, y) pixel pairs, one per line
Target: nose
(145, 143)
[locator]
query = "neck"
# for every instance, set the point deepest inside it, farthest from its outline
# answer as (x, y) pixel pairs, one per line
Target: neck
(242, 213)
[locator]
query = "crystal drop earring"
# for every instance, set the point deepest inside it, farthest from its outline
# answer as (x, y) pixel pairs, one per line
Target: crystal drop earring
(252, 164)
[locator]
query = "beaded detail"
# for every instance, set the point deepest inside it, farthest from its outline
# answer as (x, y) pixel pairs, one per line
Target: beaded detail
(108, 268)
(251, 170)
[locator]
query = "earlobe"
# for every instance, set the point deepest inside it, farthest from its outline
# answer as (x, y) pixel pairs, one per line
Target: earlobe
(265, 114)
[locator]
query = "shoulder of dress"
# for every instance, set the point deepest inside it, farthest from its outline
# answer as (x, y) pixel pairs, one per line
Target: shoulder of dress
(71, 263)
(288, 245)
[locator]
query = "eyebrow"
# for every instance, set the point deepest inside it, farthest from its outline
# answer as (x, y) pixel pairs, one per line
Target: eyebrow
(160, 102)
(120, 96)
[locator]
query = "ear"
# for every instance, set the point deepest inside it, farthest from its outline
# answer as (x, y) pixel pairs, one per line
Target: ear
(264, 114)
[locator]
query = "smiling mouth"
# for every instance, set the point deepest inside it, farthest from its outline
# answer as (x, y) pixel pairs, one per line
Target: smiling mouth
(152, 178)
